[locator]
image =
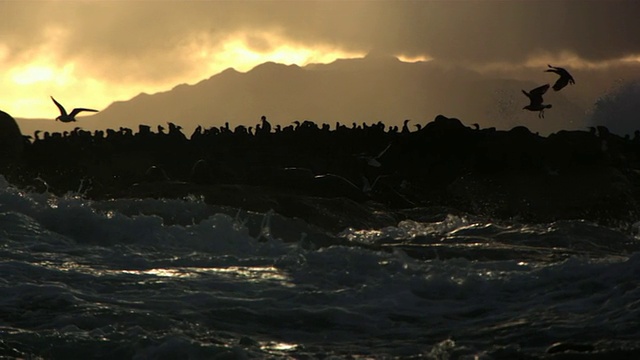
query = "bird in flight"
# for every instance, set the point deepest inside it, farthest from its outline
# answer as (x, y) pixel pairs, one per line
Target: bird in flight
(64, 117)
(536, 101)
(373, 160)
(564, 79)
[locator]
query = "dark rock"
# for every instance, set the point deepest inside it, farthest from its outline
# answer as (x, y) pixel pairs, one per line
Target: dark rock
(329, 178)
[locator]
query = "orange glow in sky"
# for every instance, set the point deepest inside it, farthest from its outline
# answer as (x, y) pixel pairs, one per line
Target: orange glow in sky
(32, 83)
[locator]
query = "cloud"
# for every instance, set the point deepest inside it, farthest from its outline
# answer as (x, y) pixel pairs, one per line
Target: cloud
(118, 36)
(156, 44)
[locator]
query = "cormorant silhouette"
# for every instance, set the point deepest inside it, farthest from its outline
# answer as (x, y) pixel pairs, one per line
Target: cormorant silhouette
(64, 117)
(405, 127)
(565, 77)
(266, 126)
(535, 99)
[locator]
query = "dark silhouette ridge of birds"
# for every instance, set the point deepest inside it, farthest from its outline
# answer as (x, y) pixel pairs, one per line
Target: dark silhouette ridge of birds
(325, 174)
(564, 79)
(70, 117)
(536, 101)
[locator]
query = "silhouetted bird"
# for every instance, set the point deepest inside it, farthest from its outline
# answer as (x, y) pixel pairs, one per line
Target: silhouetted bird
(535, 99)
(405, 127)
(373, 160)
(266, 126)
(64, 117)
(565, 77)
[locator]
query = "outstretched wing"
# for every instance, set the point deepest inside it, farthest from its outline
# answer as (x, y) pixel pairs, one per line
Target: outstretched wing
(540, 90)
(383, 151)
(560, 83)
(77, 110)
(63, 112)
(565, 77)
(553, 69)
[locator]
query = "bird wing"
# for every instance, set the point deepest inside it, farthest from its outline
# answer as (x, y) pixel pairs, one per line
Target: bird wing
(77, 110)
(373, 162)
(540, 90)
(341, 178)
(560, 83)
(383, 151)
(565, 77)
(63, 112)
(565, 74)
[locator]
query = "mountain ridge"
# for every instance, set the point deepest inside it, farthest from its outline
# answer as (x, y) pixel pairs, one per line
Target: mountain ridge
(370, 89)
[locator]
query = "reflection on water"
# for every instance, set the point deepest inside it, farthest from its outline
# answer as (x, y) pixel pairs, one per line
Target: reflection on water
(246, 273)
(278, 348)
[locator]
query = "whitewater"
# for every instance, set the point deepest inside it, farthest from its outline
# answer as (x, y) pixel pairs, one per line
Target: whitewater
(182, 279)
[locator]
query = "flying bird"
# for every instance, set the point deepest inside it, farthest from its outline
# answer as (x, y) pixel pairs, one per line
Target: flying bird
(373, 160)
(64, 117)
(564, 79)
(536, 101)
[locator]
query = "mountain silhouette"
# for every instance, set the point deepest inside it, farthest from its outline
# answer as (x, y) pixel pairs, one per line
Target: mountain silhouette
(370, 89)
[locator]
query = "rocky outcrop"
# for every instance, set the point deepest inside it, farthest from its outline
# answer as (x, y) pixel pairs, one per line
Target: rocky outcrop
(11, 141)
(513, 174)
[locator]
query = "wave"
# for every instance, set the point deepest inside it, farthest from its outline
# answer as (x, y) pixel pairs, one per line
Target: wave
(144, 278)
(619, 109)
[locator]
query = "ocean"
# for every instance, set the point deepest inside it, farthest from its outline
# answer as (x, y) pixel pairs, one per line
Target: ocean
(182, 279)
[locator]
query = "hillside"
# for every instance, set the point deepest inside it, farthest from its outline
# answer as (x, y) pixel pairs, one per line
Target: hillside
(370, 89)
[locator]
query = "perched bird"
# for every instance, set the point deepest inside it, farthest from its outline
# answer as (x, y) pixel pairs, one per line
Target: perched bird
(535, 100)
(266, 126)
(565, 77)
(405, 128)
(64, 117)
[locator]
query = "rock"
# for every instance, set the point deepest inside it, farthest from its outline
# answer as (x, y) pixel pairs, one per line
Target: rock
(11, 141)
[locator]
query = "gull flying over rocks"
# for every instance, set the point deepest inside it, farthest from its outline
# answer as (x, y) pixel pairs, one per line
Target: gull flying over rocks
(564, 79)
(374, 160)
(64, 117)
(535, 99)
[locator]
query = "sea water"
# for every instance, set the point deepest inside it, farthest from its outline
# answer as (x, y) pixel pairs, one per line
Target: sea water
(181, 279)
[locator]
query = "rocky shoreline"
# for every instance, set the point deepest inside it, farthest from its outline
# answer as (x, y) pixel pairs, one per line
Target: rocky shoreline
(348, 176)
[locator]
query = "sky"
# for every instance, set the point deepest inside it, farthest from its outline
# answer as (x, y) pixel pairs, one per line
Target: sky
(91, 53)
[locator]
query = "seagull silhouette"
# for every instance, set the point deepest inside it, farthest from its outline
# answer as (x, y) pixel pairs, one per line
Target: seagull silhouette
(565, 77)
(373, 160)
(64, 117)
(535, 99)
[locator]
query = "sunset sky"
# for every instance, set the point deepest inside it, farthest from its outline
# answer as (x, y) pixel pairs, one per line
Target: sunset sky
(91, 53)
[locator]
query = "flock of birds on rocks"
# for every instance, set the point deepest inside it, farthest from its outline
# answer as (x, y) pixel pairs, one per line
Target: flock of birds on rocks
(536, 102)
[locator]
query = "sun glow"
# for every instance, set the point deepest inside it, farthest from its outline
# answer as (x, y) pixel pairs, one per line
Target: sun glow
(34, 73)
(240, 52)
(29, 84)
(412, 59)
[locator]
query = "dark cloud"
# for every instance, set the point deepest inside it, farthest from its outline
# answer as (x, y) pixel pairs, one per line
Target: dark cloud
(147, 39)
